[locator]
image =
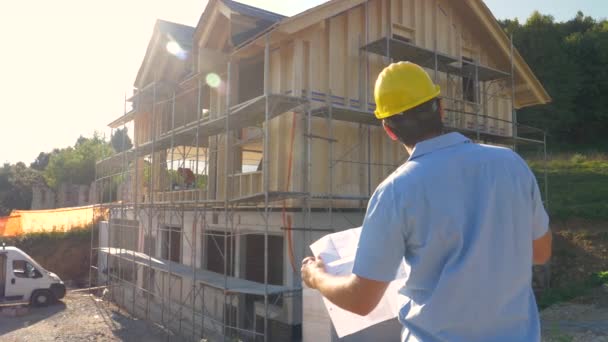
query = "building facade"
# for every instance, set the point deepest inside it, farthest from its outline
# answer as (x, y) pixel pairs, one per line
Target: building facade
(254, 135)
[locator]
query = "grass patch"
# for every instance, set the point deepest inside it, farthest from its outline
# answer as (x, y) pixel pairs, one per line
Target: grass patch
(570, 291)
(578, 185)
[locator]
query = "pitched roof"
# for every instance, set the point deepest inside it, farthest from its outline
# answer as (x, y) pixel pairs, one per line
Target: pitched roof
(332, 8)
(182, 34)
(253, 11)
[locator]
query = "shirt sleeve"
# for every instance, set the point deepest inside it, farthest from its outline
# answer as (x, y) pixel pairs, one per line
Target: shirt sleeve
(540, 219)
(382, 244)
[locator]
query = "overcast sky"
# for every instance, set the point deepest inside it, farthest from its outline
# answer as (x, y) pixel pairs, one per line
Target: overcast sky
(65, 65)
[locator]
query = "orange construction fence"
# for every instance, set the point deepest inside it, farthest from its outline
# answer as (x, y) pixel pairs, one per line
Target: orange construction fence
(62, 219)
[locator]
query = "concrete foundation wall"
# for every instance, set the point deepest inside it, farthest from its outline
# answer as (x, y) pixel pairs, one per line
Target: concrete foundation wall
(194, 225)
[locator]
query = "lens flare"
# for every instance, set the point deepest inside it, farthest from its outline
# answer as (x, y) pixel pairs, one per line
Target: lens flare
(174, 48)
(213, 80)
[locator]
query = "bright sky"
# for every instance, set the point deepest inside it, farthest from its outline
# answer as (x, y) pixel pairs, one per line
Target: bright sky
(65, 65)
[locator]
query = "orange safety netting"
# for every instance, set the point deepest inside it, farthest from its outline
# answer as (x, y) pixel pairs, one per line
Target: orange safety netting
(10, 225)
(63, 219)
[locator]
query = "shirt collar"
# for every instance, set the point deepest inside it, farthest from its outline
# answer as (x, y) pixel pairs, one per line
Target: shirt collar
(438, 143)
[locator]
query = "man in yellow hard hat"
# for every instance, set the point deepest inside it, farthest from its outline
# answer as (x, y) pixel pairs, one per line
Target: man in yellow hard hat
(467, 218)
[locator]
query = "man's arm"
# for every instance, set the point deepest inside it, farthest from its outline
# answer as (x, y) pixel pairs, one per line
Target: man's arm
(352, 293)
(541, 234)
(541, 249)
(380, 252)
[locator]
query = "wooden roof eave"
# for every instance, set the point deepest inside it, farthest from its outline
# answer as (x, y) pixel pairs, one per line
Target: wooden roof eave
(150, 55)
(316, 14)
(203, 22)
(285, 28)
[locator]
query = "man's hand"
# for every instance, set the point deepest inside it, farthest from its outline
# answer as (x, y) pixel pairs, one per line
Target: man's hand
(352, 293)
(311, 269)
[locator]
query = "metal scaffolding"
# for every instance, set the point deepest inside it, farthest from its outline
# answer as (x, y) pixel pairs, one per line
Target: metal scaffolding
(172, 288)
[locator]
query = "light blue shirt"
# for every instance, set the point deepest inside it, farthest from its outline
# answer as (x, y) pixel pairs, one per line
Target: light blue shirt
(464, 216)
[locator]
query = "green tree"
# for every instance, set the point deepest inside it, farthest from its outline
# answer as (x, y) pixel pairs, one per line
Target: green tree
(120, 140)
(16, 182)
(76, 165)
(570, 59)
(42, 160)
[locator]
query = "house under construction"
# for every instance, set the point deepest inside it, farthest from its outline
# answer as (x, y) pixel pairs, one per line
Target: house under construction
(254, 135)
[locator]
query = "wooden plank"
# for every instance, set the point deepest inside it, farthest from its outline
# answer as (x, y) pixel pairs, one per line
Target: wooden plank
(206, 31)
(298, 75)
(287, 72)
(355, 24)
(337, 56)
(396, 11)
(322, 67)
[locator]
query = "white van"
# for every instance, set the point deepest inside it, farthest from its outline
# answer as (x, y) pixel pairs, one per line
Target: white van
(23, 279)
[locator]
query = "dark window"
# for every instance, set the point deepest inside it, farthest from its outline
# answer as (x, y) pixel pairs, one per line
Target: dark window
(172, 243)
(23, 269)
(215, 252)
(254, 258)
(468, 83)
(402, 38)
(251, 79)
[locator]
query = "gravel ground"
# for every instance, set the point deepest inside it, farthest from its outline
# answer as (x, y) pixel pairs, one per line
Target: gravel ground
(575, 322)
(83, 317)
(78, 317)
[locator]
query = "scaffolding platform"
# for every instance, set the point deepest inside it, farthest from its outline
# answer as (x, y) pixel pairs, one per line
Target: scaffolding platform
(246, 114)
(273, 196)
(348, 114)
(404, 51)
(401, 50)
(218, 281)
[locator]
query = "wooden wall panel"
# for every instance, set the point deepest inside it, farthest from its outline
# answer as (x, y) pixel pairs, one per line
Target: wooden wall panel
(444, 30)
(297, 68)
(275, 71)
(337, 57)
(355, 39)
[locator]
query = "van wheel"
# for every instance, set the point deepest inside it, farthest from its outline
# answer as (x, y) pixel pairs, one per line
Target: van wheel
(42, 298)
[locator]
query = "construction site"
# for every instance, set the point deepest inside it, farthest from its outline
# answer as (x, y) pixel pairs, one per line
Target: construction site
(254, 136)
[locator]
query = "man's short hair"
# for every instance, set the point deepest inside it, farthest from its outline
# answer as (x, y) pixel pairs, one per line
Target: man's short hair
(418, 123)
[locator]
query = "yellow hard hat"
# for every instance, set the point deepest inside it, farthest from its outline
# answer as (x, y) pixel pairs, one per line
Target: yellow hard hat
(402, 86)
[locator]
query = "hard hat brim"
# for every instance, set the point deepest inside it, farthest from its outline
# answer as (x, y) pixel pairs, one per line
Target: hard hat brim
(384, 115)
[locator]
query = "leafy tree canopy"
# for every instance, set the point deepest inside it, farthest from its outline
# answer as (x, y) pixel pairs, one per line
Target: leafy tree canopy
(571, 60)
(76, 165)
(120, 140)
(16, 183)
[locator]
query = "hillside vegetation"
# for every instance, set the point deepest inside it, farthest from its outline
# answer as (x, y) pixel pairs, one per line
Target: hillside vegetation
(578, 185)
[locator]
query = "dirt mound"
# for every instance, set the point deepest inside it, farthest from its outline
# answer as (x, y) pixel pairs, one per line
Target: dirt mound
(580, 248)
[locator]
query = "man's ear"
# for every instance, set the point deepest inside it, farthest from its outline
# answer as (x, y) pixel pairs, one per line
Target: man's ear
(389, 131)
(441, 110)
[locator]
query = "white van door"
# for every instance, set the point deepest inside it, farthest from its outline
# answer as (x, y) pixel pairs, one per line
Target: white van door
(21, 278)
(2, 274)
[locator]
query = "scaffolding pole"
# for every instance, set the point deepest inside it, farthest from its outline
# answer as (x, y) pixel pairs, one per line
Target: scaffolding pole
(266, 176)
